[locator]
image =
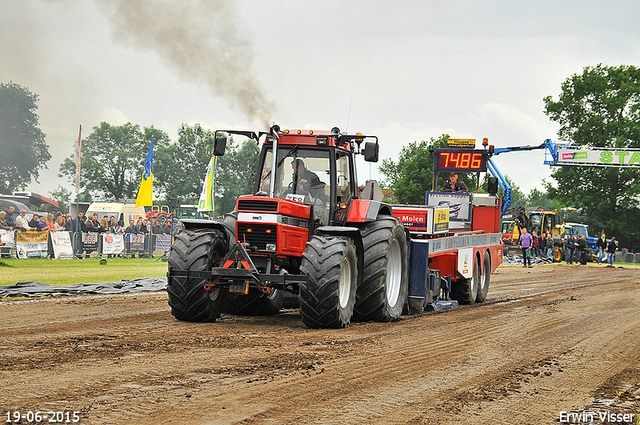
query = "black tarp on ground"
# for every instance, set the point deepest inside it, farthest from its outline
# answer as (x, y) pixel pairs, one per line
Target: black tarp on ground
(37, 289)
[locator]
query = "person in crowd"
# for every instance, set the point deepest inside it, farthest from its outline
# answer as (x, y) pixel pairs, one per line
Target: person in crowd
(542, 245)
(22, 219)
(570, 245)
(526, 242)
(156, 227)
(77, 224)
(601, 244)
(104, 225)
(166, 227)
(112, 222)
(535, 244)
(611, 251)
(60, 224)
(10, 217)
(116, 228)
(34, 223)
(583, 247)
(131, 228)
(20, 227)
(454, 185)
(3, 221)
(48, 220)
(146, 227)
(549, 245)
(93, 225)
(175, 225)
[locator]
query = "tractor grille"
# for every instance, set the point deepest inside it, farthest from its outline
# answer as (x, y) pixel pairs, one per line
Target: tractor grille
(257, 205)
(257, 235)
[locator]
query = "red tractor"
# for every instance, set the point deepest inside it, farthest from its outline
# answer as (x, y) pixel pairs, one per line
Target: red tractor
(306, 231)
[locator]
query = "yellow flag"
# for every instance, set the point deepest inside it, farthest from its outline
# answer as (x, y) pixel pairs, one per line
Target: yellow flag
(145, 193)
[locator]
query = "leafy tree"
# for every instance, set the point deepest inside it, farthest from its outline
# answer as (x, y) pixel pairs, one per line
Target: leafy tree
(518, 198)
(180, 168)
(113, 160)
(537, 198)
(412, 176)
(62, 196)
(23, 150)
(600, 108)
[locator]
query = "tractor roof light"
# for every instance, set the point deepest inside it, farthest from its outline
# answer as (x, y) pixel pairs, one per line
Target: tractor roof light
(322, 141)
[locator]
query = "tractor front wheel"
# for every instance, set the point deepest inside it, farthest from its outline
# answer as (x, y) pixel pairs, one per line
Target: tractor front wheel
(385, 282)
(195, 250)
(328, 296)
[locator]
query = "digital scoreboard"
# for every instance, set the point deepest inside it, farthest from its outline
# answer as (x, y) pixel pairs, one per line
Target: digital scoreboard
(463, 160)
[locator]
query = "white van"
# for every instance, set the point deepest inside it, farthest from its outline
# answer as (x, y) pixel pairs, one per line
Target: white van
(121, 212)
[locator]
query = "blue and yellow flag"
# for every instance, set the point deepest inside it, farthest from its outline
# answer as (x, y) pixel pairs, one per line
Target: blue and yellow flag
(145, 193)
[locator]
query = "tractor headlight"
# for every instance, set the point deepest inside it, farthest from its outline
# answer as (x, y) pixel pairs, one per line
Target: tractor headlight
(271, 247)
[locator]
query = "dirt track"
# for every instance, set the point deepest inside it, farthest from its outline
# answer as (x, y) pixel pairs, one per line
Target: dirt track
(549, 339)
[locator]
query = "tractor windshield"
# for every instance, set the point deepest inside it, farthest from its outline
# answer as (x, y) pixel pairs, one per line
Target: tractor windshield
(302, 175)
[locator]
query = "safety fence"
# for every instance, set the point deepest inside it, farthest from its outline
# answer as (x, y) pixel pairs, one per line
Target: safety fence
(68, 245)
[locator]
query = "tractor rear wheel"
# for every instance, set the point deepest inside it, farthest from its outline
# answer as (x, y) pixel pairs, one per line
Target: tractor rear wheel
(196, 250)
(385, 283)
(328, 296)
(466, 290)
(255, 303)
(485, 278)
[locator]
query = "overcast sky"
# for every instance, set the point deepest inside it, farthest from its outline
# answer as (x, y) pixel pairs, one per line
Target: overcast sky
(402, 70)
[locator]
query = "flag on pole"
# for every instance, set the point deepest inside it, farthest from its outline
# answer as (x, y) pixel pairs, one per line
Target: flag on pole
(77, 157)
(145, 193)
(206, 197)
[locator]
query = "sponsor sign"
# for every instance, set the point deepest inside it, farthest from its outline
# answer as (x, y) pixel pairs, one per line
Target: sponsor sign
(90, 242)
(112, 243)
(61, 242)
(136, 242)
(6, 237)
(32, 244)
(163, 242)
(459, 204)
(599, 157)
(461, 143)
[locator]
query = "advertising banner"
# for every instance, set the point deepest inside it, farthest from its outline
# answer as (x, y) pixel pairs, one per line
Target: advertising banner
(61, 242)
(163, 242)
(112, 243)
(90, 241)
(599, 157)
(459, 204)
(136, 242)
(32, 244)
(6, 237)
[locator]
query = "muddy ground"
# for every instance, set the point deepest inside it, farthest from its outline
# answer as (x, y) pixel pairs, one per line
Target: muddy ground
(550, 339)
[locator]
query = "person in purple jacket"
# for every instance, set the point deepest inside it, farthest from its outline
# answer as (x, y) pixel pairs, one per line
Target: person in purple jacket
(526, 244)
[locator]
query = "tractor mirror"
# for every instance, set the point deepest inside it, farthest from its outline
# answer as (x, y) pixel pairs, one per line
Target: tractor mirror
(371, 152)
(220, 146)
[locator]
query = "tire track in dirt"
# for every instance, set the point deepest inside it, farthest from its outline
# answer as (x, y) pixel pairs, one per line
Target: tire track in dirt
(273, 370)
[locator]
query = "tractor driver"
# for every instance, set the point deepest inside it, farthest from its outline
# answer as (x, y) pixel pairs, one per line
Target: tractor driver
(454, 185)
(303, 176)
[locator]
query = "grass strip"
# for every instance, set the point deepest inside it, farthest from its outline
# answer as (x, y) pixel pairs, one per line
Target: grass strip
(69, 272)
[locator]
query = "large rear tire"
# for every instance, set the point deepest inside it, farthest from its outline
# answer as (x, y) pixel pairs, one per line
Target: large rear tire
(382, 294)
(255, 303)
(196, 250)
(328, 296)
(466, 290)
(485, 278)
